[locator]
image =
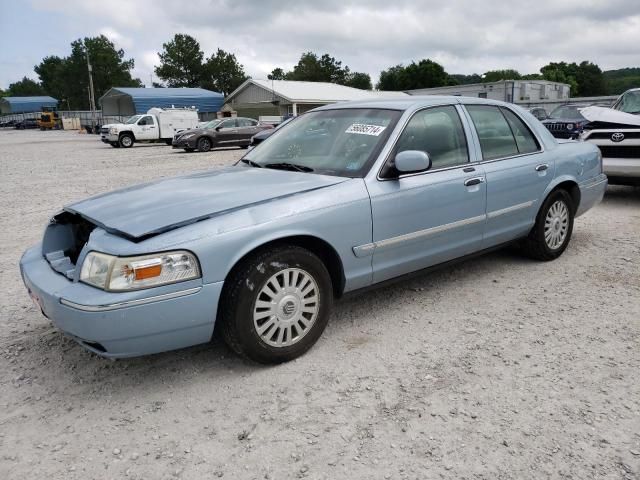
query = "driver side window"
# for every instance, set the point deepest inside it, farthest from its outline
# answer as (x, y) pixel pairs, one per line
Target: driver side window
(437, 131)
(147, 120)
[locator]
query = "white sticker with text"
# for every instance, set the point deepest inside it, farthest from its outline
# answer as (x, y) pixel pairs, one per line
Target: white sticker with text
(362, 129)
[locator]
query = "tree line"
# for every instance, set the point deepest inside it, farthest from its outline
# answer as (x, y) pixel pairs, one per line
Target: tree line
(183, 63)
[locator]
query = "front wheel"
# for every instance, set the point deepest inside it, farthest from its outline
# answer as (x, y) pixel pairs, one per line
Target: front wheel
(204, 144)
(552, 231)
(126, 140)
(276, 304)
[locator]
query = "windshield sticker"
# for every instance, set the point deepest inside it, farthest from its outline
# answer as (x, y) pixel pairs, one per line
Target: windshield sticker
(362, 129)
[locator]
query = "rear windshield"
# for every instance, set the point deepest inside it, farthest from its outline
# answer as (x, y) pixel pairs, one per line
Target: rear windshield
(568, 112)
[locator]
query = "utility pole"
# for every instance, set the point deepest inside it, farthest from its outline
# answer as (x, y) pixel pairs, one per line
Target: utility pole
(92, 96)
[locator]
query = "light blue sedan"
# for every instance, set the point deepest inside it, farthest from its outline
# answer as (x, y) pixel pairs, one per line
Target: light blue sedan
(343, 198)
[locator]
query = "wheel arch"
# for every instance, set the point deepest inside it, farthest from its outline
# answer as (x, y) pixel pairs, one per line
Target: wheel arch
(316, 245)
(129, 132)
(570, 185)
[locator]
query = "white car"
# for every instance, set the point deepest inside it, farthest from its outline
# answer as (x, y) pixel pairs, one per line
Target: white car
(616, 132)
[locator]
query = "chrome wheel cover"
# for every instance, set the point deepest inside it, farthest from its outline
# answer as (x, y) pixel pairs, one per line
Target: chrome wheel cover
(126, 141)
(286, 307)
(556, 225)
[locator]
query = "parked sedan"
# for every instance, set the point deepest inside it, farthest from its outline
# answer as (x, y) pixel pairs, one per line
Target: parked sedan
(263, 135)
(229, 132)
(344, 198)
(566, 121)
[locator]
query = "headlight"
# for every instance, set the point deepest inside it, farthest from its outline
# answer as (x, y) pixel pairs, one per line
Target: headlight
(569, 126)
(119, 274)
(113, 130)
(188, 135)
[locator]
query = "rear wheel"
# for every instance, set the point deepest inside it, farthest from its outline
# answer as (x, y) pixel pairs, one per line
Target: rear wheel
(204, 144)
(552, 232)
(126, 140)
(276, 304)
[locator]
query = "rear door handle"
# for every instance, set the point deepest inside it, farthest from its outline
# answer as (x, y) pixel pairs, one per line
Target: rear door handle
(473, 181)
(542, 167)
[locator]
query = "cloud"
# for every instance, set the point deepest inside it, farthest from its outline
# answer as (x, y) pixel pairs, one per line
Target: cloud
(466, 36)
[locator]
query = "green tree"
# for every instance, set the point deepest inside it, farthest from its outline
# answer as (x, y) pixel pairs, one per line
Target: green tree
(497, 75)
(585, 79)
(181, 62)
(222, 73)
(25, 88)
(621, 80)
(312, 68)
(424, 74)
(277, 74)
(67, 79)
(459, 79)
(590, 80)
(359, 80)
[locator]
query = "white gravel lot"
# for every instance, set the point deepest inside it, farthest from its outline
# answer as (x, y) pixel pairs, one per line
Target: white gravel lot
(497, 368)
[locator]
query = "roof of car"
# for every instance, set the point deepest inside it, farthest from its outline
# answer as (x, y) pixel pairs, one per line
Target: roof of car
(410, 102)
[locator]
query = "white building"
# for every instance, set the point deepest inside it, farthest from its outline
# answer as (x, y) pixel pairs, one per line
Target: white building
(256, 98)
(514, 91)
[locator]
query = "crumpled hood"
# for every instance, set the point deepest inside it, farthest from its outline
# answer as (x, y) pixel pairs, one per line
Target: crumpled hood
(142, 211)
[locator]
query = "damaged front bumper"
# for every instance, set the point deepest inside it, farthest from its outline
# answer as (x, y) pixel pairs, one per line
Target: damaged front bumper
(123, 324)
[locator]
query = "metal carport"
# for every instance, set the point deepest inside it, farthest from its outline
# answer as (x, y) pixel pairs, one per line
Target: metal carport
(26, 104)
(131, 101)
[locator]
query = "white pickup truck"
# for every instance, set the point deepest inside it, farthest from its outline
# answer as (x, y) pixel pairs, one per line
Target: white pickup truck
(157, 125)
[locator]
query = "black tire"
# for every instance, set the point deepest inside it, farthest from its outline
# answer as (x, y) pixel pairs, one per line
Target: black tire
(168, 141)
(243, 289)
(126, 140)
(204, 144)
(536, 245)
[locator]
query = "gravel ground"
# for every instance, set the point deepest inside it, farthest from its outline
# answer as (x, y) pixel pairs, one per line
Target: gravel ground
(498, 368)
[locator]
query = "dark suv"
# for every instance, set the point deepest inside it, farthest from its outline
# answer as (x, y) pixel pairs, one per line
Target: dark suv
(566, 121)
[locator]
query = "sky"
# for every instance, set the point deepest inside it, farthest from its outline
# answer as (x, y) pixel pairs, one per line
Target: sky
(465, 36)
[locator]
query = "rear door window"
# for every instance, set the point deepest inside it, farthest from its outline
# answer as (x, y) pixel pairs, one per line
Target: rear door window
(525, 140)
(496, 138)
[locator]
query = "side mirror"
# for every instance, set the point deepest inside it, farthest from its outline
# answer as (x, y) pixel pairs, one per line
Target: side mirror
(411, 161)
(218, 128)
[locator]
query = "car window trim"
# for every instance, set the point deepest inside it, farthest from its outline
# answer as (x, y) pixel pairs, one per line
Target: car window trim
(541, 146)
(514, 133)
(406, 123)
(471, 163)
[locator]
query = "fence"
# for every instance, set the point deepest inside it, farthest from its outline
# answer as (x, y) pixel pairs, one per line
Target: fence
(86, 116)
(549, 105)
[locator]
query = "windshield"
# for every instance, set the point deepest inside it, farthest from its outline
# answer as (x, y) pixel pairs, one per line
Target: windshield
(629, 102)
(211, 124)
(133, 119)
(566, 111)
(331, 142)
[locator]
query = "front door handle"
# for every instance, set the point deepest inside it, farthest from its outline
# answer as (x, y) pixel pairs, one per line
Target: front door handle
(542, 167)
(473, 181)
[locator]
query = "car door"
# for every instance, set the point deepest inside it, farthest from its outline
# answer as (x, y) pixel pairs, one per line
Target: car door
(227, 132)
(147, 128)
(517, 171)
(247, 128)
(430, 217)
